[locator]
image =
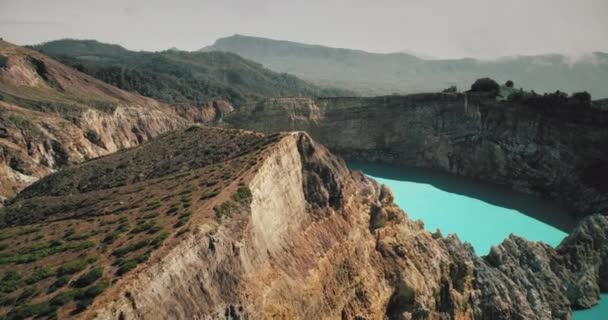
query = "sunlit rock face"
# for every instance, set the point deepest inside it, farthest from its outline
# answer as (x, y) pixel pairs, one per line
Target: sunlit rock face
(558, 153)
(320, 241)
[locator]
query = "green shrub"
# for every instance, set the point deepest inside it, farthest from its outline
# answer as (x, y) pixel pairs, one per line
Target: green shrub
(32, 310)
(40, 274)
(225, 209)
(79, 236)
(181, 232)
(10, 282)
(146, 226)
(485, 85)
(110, 238)
(3, 61)
(92, 291)
(74, 266)
(158, 241)
(582, 96)
(26, 294)
(119, 252)
(183, 219)
(40, 250)
(59, 283)
(63, 298)
(242, 194)
(209, 195)
(88, 278)
(150, 215)
(123, 227)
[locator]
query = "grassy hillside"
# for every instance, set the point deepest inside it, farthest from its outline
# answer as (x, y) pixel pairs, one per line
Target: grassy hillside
(376, 74)
(72, 235)
(180, 77)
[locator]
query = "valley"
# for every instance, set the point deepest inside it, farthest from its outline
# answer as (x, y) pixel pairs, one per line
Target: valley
(200, 185)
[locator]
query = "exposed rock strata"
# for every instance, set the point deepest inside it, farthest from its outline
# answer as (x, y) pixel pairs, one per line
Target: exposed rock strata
(558, 153)
(52, 116)
(312, 246)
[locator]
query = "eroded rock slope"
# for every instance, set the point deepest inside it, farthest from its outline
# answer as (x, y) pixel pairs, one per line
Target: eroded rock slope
(257, 227)
(52, 116)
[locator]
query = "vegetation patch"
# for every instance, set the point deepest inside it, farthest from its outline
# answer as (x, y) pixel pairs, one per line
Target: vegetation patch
(74, 266)
(88, 278)
(225, 209)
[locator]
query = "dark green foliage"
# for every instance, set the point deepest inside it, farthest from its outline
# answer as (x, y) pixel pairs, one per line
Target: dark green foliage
(26, 294)
(40, 274)
(32, 310)
(146, 226)
(209, 195)
(124, 227)
(158, 241)
(40, 68)
(3, 61)
(451, 89)
(179, 77)
(242, 194)
(181, 232)
(10, 282)
(150, 215)
(78, 236)
(91, 292)
(485, 85)
(88, 278)
(183, 219)
(509, 84)
(59, 283)
(111, 237)
(582, 96)
(125, 266)
(551, 101)
(74, 266)
(62, 298)
(131, 247)
(225, 209)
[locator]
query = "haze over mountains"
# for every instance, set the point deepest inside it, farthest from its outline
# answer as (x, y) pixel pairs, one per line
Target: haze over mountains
(180, 77)
(379, 74)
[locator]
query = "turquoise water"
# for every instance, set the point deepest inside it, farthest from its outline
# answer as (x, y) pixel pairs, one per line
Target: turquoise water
(599, 312)
(483, 215)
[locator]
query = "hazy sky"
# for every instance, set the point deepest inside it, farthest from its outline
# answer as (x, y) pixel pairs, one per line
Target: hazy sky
(439, 28)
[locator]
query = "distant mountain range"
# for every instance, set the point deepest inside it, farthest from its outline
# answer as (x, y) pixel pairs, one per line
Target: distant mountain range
(175, 76)
(376, 74)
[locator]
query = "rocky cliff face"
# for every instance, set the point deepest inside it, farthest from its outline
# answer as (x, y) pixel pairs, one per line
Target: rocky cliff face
(558, 153)
(320, 242)
(247, 226)
(52, 116)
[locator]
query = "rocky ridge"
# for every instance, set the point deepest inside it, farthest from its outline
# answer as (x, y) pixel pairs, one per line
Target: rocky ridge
(289, 232)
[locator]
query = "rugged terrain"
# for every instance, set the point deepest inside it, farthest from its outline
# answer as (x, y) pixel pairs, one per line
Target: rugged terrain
(558, 151)
(381, 74)
(53, 116)
(214, 223)
(179, 77)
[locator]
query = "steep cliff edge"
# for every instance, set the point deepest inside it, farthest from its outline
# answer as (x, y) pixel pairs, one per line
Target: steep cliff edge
(52, 116)
(560, 153)
(276, 227)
